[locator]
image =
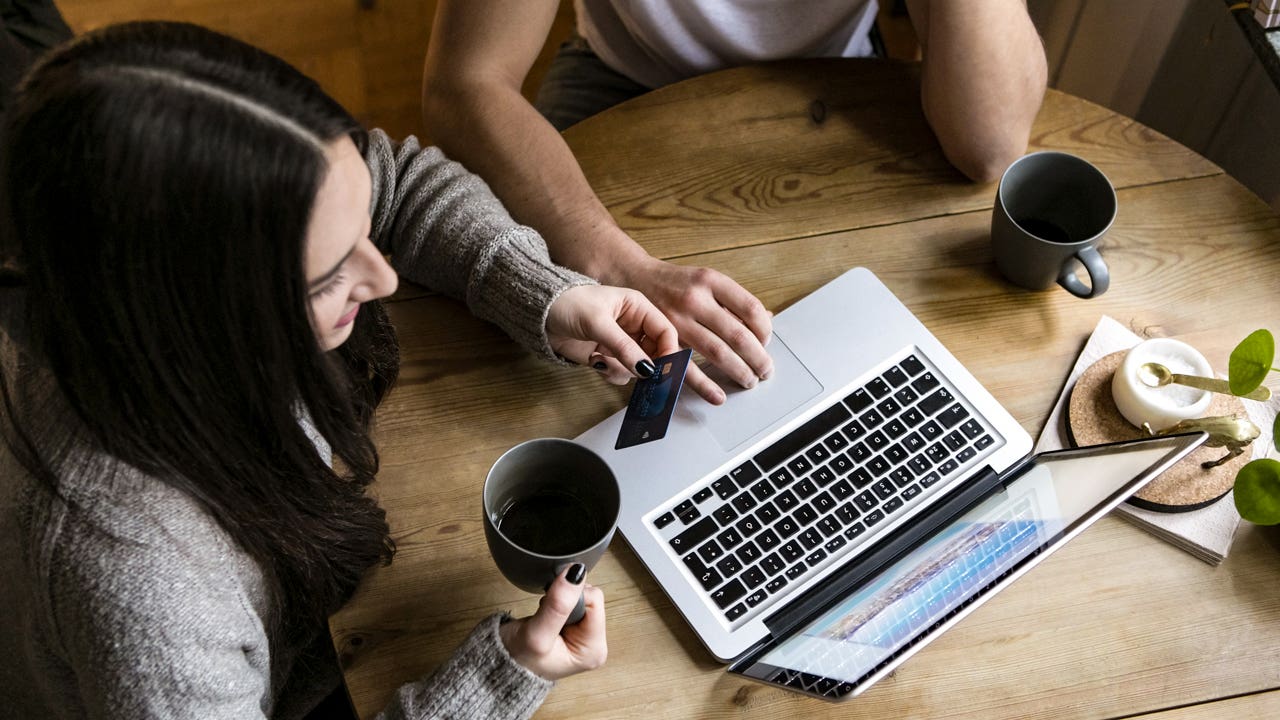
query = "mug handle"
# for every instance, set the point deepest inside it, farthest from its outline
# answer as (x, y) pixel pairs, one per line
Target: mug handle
(1099, 277)
(579, 611)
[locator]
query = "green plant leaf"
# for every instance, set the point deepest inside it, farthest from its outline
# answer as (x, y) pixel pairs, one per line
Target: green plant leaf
(1250, 362)
(1257, 492)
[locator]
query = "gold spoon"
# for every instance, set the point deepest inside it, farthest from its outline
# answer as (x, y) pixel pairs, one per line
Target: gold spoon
(1154, 374)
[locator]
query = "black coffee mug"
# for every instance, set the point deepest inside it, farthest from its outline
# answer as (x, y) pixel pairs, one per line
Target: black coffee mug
(1051, 211)
(549, 503)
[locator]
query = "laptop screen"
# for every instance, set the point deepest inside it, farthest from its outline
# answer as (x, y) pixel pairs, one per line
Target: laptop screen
(875, 626)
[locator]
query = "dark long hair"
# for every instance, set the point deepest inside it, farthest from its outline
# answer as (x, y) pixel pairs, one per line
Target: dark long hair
(159, 179)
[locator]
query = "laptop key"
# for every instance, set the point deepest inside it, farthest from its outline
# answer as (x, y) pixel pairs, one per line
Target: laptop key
(729, 594)
(745, 473)
(919, 464)
(895, 429)
(866, 501)
(829, 525)
(786, 500)
(767, 540)
(796, 571)
(781, 477)
(954, 440)
(931, 431)
(953, 415)
(724, 514)
(936, 401)
(805, 488)
(724, 488)
(912, 365)
(854, 430)
(836, 442)
(804, 514)
(822, 502)
(748, 553)
(763, 490)
(748, 525)
(735, 612)
(901, 477)
(854, 530)
(937, 453)
(835, 544)
(744, 502)
(895, 376)
(842, 489)
(878, 466)
(684, 507)
(929, 479)
(947, 467)
(895, 453)
(913, 442)
(878, 388)
(893, 505)
(689, 515)
(815, 557)
(967, 454)
(754, 577)
(705, 576)
(877, 440)
(840, 464)
(729, 566)
(860, 453)
(694, 535)
(799, 465)
(888, 407)
(756, 598)
(775, 585)
(870, 419)
(810, 538)
(910, 492)
(791, 551)
(710, 552)
(860, 477)
(772, 564)
(767, 513)
(873, 517)
(912, 417)
(924, 383)
(787, 527)
(730, 538)
(984, 442)
(906, 396)
(859, 400)
(663, 520)
(702, 495)
(847, 512)
(971, 428)
(823, 476)
(817, 454)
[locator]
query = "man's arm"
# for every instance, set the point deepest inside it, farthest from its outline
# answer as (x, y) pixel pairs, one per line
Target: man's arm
(479, 54)
(983, 79)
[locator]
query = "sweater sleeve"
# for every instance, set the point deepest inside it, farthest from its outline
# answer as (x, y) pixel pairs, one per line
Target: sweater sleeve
(445, 229)
(480, 681)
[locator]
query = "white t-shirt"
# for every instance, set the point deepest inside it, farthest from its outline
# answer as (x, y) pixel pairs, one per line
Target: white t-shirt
(657, 42)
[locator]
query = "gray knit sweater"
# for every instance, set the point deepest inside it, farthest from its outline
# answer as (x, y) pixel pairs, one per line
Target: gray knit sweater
(134, 603)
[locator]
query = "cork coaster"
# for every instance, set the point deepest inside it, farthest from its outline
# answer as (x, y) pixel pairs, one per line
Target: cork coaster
(1092, 418)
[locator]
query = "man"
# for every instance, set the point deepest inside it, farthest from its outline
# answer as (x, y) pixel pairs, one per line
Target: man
(982, 80)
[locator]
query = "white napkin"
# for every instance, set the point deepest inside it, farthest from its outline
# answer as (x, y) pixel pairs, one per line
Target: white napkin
(1205, 533)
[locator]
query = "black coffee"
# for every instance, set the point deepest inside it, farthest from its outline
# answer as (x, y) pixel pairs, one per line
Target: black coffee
(550, 523)
(1044, 230)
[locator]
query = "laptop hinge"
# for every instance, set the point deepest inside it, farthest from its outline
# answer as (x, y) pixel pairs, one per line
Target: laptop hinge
(900, 542)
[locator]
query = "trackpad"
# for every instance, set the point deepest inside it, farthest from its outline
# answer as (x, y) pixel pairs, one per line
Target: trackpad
(745, 413)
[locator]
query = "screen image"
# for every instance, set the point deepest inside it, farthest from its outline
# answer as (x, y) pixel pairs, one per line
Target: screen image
(876, 622)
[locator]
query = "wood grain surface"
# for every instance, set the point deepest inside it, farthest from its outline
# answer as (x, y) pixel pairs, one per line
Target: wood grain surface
(732, 171)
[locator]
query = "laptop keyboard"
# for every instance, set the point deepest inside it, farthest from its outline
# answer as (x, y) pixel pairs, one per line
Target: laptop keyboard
(823, 489)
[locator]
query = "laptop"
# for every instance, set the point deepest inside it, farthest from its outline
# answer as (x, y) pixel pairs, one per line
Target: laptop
(794, 499)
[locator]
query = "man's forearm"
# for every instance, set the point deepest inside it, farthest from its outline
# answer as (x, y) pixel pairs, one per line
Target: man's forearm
(983, 80)
(497, 134)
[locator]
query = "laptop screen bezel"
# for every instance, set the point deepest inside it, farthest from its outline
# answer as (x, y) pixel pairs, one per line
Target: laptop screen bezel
(749, 664)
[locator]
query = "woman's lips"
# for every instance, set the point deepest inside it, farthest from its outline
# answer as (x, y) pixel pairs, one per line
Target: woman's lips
(348, 318)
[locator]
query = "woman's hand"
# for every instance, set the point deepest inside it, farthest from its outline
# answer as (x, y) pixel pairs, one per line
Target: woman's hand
(545, 645)
(618, 332)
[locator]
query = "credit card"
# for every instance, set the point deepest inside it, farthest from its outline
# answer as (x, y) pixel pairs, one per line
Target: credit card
(653, 400)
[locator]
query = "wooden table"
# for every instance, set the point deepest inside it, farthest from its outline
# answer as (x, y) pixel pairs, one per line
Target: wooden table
(783, 176)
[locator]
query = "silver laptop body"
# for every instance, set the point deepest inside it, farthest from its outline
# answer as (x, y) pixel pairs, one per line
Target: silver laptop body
(848, 342)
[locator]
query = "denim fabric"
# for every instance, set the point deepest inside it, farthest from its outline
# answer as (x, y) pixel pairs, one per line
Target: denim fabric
(578, 85)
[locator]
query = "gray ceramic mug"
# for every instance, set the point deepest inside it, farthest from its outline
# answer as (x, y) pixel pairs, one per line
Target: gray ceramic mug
(549, 503)
(1051, 212)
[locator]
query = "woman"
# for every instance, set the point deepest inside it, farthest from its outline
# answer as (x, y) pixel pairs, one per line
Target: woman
(192, 348)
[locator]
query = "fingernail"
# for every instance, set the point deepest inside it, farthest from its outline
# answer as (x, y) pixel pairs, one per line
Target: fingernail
(600, 365)
(645, 368)
(576, 572)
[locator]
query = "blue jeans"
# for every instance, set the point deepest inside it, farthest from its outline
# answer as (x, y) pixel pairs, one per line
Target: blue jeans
(578, 85)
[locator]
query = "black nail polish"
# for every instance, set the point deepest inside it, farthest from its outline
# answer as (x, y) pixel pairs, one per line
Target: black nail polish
(645, 368)
(600, 365)
(576, 573)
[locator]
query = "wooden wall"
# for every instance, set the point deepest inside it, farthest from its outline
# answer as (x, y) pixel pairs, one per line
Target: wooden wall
(366, 53)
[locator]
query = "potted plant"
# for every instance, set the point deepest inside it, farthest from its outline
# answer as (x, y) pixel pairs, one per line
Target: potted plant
(1257, 486)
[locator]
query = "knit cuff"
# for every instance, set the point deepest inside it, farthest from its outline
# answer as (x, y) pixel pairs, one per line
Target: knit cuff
(517, 286)
(480, 681)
